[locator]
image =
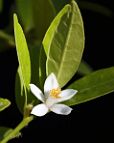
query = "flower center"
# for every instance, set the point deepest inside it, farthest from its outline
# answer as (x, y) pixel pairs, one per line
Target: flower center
(55, 93)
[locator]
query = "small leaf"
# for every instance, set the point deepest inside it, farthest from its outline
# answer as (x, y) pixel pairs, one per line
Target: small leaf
(92, 86)
(4, 131)
(64, 43)
(23, 57)
(25, 12)
(22, 53)
(4, 103)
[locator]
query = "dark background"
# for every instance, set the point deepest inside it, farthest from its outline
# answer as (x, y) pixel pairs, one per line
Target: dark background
(91, 121)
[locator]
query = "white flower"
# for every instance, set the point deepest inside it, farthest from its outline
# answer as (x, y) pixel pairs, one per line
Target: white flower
(52, 95)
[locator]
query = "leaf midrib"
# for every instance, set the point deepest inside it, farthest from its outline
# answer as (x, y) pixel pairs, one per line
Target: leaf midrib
(66, 42)
(20, 63)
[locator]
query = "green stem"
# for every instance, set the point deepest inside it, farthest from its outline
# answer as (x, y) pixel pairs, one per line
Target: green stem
(14, 133)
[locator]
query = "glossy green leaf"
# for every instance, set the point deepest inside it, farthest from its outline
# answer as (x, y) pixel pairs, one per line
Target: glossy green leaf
(19, 92)
(84, 68)
(92, 86)
(24, 61)
(43, 14)
(22, 53)
(4, 103)
(25, 12)
(64, 43)
(4, 131)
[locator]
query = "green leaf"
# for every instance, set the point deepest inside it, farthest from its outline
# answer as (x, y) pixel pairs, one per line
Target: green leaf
(23, 58)
(4, 103)
(22, 53)
(84, 68)
(64, 43)
(4, 131)
(92, 86)
(19, 92)
(25, 12)
(43, 14)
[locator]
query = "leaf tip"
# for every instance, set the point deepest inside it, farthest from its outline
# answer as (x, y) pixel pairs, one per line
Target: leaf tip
(15, 17)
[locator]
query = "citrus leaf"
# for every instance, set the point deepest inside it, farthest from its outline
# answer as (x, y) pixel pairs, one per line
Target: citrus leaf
(64, 43)
(4, 103)
(23, 58)
(20, 95)
(92, 86)
(22, 53)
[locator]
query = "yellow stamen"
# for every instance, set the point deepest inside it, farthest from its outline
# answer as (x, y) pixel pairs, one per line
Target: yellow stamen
(55, 93)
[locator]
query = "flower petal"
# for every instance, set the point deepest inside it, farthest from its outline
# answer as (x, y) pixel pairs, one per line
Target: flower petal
(61, 109)
(64, 95)
(67, 94)
(50, 83)
(39, 110)
(37, 92)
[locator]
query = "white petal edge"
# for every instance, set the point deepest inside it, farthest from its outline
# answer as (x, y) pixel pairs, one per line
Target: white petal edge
(50, 83)
(61, 109)
(65, 95)
(37, 92)
(39, 110)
